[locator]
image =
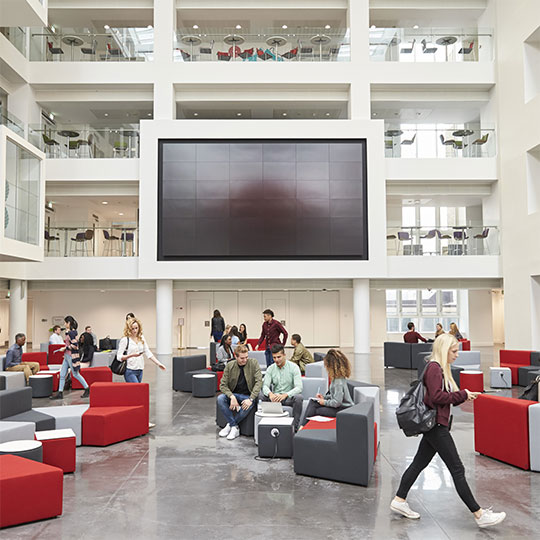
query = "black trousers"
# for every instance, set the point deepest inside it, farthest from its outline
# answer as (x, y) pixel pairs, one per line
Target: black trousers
(438, 441)
(316, 409)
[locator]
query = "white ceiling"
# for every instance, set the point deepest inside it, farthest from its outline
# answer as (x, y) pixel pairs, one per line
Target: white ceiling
(93, 205)
(88, 112)
(439, 17)
(97, 18)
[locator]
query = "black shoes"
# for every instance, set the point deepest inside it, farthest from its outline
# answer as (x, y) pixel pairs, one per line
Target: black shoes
(58, 395)
(86, 393)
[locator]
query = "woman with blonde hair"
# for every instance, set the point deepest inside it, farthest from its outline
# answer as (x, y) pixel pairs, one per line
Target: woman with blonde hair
(454, 330)
(441, 391)
(338, 396)
(133, 348)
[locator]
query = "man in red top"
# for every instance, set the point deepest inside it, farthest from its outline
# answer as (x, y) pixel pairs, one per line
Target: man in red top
(412, 336)
(271, 330)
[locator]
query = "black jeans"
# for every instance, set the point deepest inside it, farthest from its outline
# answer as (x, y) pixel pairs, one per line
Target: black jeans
(316, 409)
(438, 441)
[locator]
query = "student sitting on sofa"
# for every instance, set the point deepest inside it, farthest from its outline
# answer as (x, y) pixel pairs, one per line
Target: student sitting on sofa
(301, 355)
(338, 396)
(412, 336)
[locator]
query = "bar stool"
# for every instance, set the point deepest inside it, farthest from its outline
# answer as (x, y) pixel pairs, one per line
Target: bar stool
(55, 243)
(109, 243)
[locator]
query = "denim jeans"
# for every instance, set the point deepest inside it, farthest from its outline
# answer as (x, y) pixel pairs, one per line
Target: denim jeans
(66, 365)
(217, 336)
(269, 357)
(133, 375)
(233, 418)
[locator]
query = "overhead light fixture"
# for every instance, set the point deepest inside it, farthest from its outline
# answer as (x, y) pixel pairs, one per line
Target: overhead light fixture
(149, 27)
(51, 116)
(120, 213)
(102, 290)
(195, 27)
(195, 114)
(327, 114)
(238, 114)
(149, 114)
(107, 27)
(416, 27)
(372, 27)
(374, 114)
(284, 26)
(238, 27)
(327, 27)
(104, 202)
(106, 114)
(284, 114)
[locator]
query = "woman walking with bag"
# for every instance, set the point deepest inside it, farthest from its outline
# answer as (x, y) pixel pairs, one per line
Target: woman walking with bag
(132, 349)
(71, 359)
(441, 392)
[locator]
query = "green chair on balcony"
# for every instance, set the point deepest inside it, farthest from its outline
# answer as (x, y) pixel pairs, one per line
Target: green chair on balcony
(51, 146)
(120, 149)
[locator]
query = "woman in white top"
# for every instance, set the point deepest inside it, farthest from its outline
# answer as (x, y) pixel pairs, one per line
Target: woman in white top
(133, 348)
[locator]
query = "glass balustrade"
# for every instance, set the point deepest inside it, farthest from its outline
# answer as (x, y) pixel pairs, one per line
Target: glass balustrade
(447, 241)
(267, 45)
(17, 36)
(83, 141)
(431, 45)
(12, 122)
(420, 141)
(88, 240)
(110, 44)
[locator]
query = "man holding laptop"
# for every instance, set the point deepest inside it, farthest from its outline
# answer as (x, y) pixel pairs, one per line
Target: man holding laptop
(240, 386)
(283, 383)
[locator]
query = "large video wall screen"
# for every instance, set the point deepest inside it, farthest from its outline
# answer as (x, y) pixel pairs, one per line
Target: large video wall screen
(262, 199)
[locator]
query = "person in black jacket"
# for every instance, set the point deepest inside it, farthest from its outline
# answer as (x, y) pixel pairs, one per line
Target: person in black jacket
(86, 349)
(218, 326)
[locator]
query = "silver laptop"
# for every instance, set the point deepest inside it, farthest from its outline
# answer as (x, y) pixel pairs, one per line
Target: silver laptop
(269, 407)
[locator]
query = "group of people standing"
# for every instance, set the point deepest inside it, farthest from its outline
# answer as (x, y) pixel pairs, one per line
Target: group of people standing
(412, 336)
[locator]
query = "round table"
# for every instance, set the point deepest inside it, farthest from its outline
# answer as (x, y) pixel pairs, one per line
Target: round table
(41, 384)
(26, 449)
(462, 133)
(191, 40)
(393, 132)
(320, 40)
(203, 385)
(445, 42)
(71, 41)
(234, 40)
(69, 134)
(276, 42)
(259, 415)
(471, 380)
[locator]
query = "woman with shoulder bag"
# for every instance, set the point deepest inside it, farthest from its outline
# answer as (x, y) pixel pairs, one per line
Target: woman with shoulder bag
(441, 393)
(133, 348)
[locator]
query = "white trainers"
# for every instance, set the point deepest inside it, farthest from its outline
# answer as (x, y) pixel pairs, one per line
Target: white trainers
(235, 432)
(403, 509)
(489, 518)
(225, 431)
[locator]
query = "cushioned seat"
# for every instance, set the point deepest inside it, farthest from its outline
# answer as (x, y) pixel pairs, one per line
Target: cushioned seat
(102, 359)
(67, 417)
(534, 436)
(16, 406)
(16, 431)
(29, 449)
(523, 372)
(59, 448)
(514, 360)
(13, 380)
(41, 420)
(316, 369)
(92, 375)
(183, 368)
(397, 354)
(39, 357)
(468, 359)
(247, 425)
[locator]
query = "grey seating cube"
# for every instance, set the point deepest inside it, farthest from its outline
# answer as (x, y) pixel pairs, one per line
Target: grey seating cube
(500, 377)
(16, 406)
(531, 376)
(318, 356)
(247, 425)
(204, 384)
(103, 359)
(397, 355)
(212, 352)
(535, 358)
(13, 380)
(41, 385)
(183, 368)
(417, 351)
(345, 454)
(276, 447)
(522, 374)
(260, 356)
(316, 369)
(16, 431)
(2, 382)
(468, 359)
(67, 417)
(26, 449)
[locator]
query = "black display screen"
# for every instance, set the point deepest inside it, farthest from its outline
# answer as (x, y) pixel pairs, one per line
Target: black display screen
(262, 199)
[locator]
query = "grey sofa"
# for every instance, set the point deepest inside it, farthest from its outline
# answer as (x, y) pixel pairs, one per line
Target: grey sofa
(16, 406)
(318, 357)
(345, 454)
(184, 367)
(404, 355)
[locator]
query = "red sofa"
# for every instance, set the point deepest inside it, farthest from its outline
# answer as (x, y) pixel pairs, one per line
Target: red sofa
(29, 490)
(514, 360)
(501, 429)
(39, 357)
(55, 356)
(118, 411)
(92, 375)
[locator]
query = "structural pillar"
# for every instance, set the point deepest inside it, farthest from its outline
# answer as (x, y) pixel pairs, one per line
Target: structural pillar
(18, 307)
(164, 312)
(361, 316)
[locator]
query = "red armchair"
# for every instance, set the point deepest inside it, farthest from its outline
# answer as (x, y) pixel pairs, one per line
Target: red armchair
(55, 356)
(92, 375)
(118, 411)
(39, 357)
(501, 429)
(514, 360)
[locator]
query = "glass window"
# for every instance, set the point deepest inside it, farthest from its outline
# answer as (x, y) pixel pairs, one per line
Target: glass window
(427, 325)
(449, 301)
(406, 321)
(392, 324)
(408, 216)
(429, 302)
(409, 301)
(391, 302)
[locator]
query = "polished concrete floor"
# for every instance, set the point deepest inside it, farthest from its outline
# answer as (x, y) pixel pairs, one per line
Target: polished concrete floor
(182, 481)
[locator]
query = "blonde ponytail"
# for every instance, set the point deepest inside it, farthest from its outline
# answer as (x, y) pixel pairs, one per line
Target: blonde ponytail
(441, 347)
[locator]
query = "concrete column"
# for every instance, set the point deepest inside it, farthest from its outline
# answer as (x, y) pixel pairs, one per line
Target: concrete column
(164, 311)
(18, 306)
(361, 330)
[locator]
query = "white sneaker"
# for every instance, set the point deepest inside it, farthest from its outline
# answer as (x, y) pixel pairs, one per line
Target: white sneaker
(235, 432)
(403, 509)
(489, 518)
(225, 431)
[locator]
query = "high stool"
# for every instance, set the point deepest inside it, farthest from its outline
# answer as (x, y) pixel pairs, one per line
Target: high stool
(42, 385)
(204, 385)
(472, 381)
(27, 449)
(58, 448)
(500, 377)
(276, 437)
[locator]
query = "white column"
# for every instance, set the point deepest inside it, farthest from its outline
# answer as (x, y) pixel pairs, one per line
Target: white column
(361, 316)
(360, 91)
(164, 311)
(17, 308)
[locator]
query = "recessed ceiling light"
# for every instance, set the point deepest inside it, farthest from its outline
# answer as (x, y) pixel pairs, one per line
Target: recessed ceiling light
(328, 27)
(102, 290)
(195, 27)
(284, 26)
(106, 114)
(314, 114)
(149, 27)
(238, 114)
(238, 27)
(107, 27)
(120, 213)
(374, 114)
(372, 27)
(327, 114)
(149, 114)
(104, 202)
(284, 114)
(416, 27)
(195, 114)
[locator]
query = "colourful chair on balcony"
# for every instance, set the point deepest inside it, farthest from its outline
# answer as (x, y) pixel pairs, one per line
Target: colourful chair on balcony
(120, 149)
(110, 243)
(55, 51)
(482, 237)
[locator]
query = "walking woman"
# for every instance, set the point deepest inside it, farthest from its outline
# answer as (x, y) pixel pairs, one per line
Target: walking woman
(218, 326)
(133, 348)
(441, 393)
(338, 396)
(71, 359)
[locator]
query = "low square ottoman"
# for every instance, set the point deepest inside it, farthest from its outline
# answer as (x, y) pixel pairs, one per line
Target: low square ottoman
(92, 375)
(68, 416)
(276, 437)
(472, 381)
(500, 377)
(523, 372)
(58, 448)
(16, 431)
(14, 379)
(29, 491)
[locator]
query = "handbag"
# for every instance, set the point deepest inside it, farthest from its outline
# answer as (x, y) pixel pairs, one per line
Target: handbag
(414, 417)
(119, 366)
(531, 391)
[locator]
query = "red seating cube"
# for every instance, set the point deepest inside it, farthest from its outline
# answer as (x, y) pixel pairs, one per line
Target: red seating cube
(55, 355)
(39, 357)
(471, 380)
(92, 375)
(29, 490)
(514, 360)
(58, 448)
(465, 344)
(220, 375)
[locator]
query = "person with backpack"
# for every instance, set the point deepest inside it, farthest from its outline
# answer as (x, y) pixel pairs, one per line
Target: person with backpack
(441, 391)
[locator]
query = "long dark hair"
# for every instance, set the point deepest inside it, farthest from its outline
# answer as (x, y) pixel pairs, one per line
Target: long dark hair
(224, 343)
(217, 313)
(244, 335)
(234, 332)
(73, 325)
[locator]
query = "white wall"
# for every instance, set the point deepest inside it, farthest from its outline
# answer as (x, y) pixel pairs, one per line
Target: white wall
(480, 318)
(497, 298)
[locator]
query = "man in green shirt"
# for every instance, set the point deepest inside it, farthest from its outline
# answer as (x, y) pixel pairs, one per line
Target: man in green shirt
(283, 383)
(301, 355)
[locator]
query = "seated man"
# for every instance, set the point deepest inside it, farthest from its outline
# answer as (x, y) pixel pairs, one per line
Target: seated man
(14, 357)
(412, 336)
(56, 338)
(240, 386)
(283, 383)
(88, 329)
(301, 355)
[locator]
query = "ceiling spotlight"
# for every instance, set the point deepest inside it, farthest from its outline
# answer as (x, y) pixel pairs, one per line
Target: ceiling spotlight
(238, 114)
(374, 114)
(106, 114)
(149, 27)
(284, 26)
(372, 27)
(416, 27)
(284, 114)
(238, 27)
(327, 27)
(149, 114)
(107, 27)
(195, 114)
(195, 27)
(120, 213)
(327, 114)
(104, 202)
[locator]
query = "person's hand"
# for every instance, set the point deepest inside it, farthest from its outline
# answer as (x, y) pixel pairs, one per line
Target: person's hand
(134, 355)
(162, 367)
(234, 404)
(321, 401)
(273, 397)
(282, 397)
(246, 404)
(319, 396)
(61, 350)
(471, 396)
